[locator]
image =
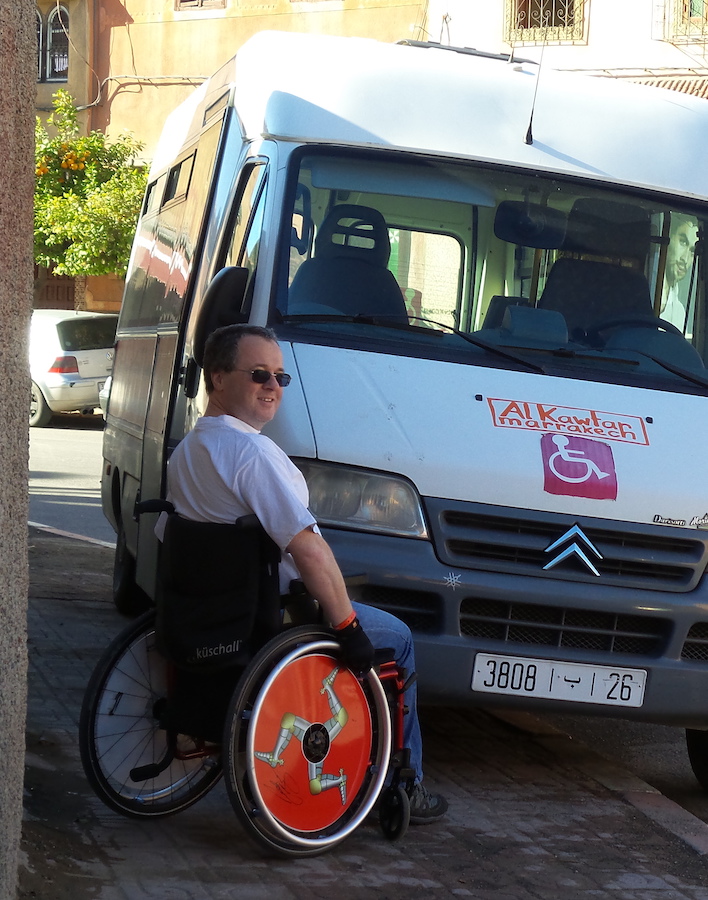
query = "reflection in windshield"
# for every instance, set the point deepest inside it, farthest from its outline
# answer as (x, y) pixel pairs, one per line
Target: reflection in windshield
(549, 272)
(680, 253)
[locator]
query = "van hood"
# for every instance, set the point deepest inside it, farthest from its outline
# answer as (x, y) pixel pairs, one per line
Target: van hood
(513, 439)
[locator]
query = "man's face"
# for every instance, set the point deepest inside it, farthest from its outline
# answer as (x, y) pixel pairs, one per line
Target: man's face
(679, 256)
(238, 395)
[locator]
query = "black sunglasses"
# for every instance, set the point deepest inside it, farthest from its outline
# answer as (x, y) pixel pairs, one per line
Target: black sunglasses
(263, 376)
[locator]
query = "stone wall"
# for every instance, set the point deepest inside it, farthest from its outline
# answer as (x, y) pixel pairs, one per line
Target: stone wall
(17, 75)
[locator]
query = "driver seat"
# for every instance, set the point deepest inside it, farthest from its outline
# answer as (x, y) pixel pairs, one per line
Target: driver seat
(610, 284)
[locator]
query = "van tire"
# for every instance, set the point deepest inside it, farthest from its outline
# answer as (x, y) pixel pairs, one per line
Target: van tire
(40, 413)
(697, 746)
(130, 599)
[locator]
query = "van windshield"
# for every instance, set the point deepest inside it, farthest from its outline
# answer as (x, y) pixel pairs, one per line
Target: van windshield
(496, 267)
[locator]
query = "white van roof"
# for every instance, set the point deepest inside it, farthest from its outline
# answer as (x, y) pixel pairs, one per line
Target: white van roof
(361, 92)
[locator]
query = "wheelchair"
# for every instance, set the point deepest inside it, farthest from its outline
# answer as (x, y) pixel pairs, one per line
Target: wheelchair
(307, 748)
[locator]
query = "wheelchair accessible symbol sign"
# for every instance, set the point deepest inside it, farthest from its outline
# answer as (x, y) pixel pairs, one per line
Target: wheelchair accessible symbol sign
(578, 467)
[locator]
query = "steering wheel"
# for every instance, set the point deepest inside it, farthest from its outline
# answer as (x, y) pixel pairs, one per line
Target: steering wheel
(638, 321)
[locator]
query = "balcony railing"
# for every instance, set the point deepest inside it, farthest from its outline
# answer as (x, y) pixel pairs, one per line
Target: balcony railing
(687, 21)
(544, 21)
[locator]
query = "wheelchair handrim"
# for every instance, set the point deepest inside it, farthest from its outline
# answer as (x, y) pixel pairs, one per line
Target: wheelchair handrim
(384, 736)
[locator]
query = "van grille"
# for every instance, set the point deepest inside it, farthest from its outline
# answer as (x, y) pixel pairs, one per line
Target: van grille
(550, 626)
(696, 644)
(420, 610)
(650, 557)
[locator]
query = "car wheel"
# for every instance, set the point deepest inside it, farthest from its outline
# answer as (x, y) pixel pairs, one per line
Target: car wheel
(40, 413)
(130, 599)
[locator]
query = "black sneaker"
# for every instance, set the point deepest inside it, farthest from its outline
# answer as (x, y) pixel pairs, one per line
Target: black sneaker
(426, 807)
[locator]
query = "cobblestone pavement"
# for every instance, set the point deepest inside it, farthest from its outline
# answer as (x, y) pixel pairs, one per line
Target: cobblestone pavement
(532, 813)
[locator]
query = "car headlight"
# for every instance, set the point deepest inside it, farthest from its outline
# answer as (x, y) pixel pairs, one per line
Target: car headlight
(355, 498)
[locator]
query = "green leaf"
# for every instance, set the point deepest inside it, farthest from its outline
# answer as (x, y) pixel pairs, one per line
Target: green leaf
(88, 195)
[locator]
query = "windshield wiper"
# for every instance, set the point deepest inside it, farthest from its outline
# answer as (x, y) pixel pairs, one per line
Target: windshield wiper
(569, 353)
(504, 353)
(397, 323)
(694, 377)
(490, 348)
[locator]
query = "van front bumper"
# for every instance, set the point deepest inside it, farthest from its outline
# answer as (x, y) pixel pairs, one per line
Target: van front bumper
(457, 613)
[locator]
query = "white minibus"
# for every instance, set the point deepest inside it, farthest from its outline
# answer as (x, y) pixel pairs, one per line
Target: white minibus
(489, 285)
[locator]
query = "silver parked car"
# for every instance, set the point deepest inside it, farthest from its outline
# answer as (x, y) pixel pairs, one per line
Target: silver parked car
(71, 356)
(104, 395)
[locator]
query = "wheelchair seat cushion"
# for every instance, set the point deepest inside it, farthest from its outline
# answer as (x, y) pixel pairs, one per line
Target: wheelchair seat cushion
(217, 598)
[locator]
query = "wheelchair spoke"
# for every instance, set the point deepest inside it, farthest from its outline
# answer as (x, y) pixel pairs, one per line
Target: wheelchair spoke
(120, 733)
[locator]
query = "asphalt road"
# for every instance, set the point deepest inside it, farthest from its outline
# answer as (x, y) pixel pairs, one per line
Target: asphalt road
(65, 477)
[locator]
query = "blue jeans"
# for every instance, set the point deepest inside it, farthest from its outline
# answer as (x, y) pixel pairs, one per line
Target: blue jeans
(385, 630)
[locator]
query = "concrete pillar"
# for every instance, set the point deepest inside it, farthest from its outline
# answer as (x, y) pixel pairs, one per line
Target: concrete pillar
(17, 77)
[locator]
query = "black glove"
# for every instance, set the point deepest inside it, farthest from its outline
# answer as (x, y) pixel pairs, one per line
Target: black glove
(357, 649)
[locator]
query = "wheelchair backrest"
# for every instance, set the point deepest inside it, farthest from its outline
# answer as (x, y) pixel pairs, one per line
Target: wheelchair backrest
(218, 595)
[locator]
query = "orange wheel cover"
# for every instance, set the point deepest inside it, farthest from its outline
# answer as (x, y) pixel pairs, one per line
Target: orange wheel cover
(312, 743)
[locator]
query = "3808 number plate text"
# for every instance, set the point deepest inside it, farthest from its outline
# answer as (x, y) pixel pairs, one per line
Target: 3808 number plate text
(549, 679)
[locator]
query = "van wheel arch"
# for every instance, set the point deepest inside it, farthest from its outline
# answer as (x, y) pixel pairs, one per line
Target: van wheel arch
(129, 598)
(697, 746)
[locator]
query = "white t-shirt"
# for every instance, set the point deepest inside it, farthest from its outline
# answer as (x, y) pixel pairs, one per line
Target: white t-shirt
(225, 469)
(672, 309)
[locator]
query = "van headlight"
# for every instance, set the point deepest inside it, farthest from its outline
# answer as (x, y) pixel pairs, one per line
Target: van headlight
(355, 498)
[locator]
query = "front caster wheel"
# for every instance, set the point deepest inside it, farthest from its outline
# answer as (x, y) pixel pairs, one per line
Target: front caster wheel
(394, 812)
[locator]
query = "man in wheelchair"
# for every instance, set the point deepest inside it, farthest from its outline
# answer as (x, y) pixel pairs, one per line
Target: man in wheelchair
(225, 469)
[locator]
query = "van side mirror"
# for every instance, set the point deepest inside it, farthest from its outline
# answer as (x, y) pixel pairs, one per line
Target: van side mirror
(222, 305)
(302, 211)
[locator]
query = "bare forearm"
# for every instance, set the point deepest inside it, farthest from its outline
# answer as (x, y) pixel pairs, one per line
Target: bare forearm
(321, 575)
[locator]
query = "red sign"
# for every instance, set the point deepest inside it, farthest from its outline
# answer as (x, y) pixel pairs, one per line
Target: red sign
(578, 467)
(552, 419)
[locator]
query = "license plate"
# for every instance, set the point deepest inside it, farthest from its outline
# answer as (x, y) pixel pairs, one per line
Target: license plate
(552, 680)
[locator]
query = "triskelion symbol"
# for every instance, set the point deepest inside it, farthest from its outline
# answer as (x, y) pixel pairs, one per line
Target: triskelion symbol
(316, 739)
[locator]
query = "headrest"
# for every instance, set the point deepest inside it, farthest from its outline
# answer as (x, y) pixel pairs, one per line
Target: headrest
(354, 231)
(608, 228)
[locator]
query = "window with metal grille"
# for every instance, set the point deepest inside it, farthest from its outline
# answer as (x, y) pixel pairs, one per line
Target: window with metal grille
(53, 45)
(694, 9)
(687, 21)
(544, 21)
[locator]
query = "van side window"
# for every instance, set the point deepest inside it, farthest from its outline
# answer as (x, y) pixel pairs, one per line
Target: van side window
(242, 249)
(428, 266)
(178, 179)
(176, 204)
(153, 195)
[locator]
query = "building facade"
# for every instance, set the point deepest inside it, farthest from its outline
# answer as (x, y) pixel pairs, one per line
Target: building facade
(662, 42)
(129, 64)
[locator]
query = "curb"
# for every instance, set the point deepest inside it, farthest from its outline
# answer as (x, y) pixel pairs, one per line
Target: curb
(69, 534)
(646, 799)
